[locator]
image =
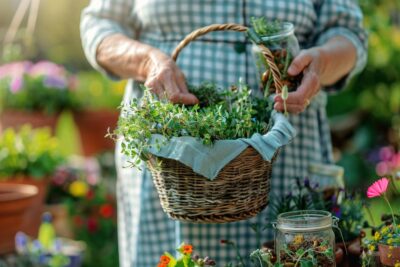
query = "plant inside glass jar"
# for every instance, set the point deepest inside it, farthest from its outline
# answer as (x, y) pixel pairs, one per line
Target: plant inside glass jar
(279, 38)
(306, 250)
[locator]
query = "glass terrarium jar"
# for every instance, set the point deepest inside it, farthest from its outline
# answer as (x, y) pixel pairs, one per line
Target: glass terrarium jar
(305, 237)
(284, 46)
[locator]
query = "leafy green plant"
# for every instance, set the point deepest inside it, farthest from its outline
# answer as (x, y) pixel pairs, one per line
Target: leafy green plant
(28, 152)
(44, 87)
(95, 91)
(236, 113)
(264, 28)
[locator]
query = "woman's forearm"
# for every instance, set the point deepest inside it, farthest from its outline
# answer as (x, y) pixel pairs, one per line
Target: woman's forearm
(124, 57)
(338, 58)
(127, 58)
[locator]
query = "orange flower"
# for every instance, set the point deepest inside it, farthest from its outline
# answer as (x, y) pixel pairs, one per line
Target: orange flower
(187, 249)
(162, 265)
(164, 259)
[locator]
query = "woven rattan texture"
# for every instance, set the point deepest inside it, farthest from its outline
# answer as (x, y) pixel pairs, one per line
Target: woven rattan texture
(240, 190)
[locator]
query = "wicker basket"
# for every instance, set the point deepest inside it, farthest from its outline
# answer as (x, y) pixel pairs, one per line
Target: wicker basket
(240, 190)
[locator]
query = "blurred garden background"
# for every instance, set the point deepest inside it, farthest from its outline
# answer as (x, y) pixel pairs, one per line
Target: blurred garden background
(365, 117)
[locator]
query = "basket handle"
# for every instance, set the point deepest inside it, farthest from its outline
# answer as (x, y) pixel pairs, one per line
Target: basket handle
(231, 27)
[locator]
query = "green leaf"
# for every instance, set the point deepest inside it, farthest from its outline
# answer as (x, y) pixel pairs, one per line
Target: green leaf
(306, 263)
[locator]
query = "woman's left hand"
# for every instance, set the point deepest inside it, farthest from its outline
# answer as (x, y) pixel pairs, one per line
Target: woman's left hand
(310, 62)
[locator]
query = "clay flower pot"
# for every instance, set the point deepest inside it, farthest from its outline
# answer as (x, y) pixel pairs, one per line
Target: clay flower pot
(34, 215)
(16, 118)
(354, 251)
(93, 125)
(16, 200)
(389, 255)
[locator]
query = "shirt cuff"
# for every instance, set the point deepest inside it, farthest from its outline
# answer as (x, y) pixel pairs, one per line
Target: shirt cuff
(361, 59)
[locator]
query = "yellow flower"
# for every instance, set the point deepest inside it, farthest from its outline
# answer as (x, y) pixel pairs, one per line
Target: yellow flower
(377, 236)
(78, 189)
(397, 265)
(371, 248)
(385, 230)
(298, 239)
(390, 247)
(390, 241)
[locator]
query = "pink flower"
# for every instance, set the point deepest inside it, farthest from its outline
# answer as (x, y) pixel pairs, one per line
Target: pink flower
(15, 69)
(386, 153)
(47, 68)
(378, 188)
(16, 84)
(396, 161)
(382, 168)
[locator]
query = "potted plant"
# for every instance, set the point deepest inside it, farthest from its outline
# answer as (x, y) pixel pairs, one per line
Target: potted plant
(98, 100)
(15, 202)
(34, 93)
(386, 238)
(29, 156)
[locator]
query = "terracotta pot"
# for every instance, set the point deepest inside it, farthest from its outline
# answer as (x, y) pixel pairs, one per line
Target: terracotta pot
(389, 255)
(34, 215)
(16, 118)
(93, 125)
(16, 200)
(61, 220)
(352, 258)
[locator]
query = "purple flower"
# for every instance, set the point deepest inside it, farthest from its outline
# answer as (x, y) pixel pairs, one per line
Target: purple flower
(337, 212)
(57, 245)
(21, 242)
(16, 84)
(36, 246)
(307, 182)
(55, 82)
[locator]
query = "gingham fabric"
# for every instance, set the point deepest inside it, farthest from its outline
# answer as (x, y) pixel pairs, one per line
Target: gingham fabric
(145, 232)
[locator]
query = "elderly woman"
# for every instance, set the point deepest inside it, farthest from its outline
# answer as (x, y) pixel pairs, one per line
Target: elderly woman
(132, 39)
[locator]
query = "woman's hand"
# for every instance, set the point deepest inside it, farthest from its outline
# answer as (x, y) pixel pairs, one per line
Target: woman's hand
(128, 58)
(321, 66)
(165, 79)
(310, 62)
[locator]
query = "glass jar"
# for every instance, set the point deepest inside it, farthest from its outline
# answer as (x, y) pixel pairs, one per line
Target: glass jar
(284, 46)
(305, 237)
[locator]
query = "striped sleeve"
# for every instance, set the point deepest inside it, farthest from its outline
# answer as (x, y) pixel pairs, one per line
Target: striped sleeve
(102, 18)
(342, 18)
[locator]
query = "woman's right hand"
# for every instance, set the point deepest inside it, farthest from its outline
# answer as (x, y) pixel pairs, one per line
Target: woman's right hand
(165, 79)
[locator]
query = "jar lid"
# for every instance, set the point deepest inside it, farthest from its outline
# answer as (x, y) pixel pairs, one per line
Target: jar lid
(304, 221)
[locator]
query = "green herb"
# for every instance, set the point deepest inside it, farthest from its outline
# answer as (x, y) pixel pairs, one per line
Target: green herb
(223, 114)
(264, 28)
